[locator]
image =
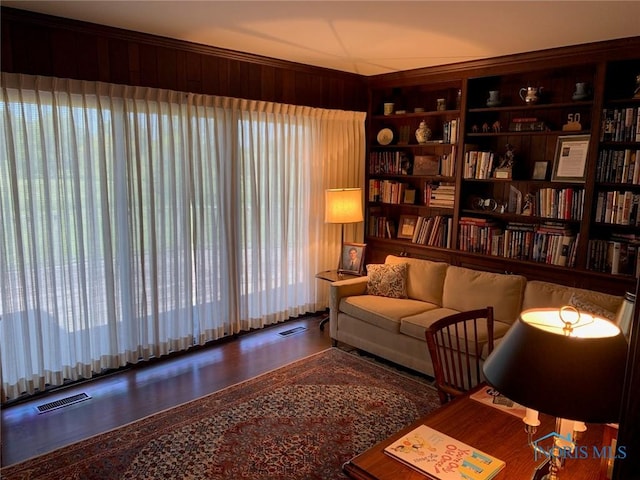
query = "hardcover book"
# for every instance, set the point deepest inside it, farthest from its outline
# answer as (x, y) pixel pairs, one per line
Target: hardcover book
(442, 457)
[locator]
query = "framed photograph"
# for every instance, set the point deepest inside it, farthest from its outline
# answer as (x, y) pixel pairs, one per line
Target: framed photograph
(540, 171)
(570, 163)
(407, 226)
(352, 258)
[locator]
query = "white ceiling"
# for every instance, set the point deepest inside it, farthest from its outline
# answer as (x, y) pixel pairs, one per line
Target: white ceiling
(364, 37)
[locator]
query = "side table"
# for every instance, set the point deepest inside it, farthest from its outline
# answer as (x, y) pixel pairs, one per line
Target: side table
(332, 276)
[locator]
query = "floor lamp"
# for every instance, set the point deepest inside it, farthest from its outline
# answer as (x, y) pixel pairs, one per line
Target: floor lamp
(343, 205)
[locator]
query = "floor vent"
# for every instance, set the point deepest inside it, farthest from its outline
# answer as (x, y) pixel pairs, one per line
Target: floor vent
(292, 331)
(65, 402)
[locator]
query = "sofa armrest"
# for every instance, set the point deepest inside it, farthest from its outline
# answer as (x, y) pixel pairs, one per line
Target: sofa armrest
(341, 289)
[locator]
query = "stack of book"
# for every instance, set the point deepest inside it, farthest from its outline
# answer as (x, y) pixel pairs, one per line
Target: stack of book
(526, 124)
(439, 194)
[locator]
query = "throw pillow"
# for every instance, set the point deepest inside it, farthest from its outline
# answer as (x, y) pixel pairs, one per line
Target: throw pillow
(387, 280)
(590, 307)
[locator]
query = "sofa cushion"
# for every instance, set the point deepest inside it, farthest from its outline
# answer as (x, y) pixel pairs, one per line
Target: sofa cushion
(416, 325)
(387, 280)
(540, 294)
(425, 279)
(467, 289)
(383, 312)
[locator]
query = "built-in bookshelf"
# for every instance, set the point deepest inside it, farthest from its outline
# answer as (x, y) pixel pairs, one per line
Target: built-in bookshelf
(614, 240)
(532, 165)
(411, 181)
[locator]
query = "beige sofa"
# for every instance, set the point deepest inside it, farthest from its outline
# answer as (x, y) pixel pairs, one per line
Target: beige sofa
(393, 328)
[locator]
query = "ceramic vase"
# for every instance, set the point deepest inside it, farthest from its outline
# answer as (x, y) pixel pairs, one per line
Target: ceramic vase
(423, 133)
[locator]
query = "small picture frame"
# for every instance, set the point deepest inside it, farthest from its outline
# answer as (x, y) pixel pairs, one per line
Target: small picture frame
(540, 171)
(409, 196)
(570, 162)
(352, 258)
(407, 226)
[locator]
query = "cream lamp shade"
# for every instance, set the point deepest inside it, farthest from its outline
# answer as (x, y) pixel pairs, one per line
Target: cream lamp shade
(343, 205)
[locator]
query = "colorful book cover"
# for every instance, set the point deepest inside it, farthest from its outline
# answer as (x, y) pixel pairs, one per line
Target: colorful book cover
(443, 457)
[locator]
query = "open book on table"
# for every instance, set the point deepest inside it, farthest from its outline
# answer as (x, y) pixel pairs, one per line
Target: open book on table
(442, 457)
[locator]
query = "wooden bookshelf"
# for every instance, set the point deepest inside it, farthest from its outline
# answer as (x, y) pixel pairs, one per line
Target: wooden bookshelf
(539, 222)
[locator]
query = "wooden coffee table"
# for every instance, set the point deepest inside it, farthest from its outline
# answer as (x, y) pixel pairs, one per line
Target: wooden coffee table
(495, 432)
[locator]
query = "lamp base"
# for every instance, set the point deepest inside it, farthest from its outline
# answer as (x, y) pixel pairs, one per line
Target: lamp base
(542, 471)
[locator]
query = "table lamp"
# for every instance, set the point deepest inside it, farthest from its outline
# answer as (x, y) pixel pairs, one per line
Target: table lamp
(562, 362)
(343, 205)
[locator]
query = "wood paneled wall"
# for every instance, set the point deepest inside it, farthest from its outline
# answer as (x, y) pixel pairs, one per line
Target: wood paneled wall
(44, 45)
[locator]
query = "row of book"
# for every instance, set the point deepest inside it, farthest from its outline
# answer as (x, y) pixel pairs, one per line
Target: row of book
(381, 227)
(478, 164)
(620, 124)
(552, 244)
(401, 163)
(433, 231)
(617, 257)
(547, 243)
(389, 162)
(387, 191)
(618, 208)
(619, 166)
(448, 163)
(450, 131)
(560, 203)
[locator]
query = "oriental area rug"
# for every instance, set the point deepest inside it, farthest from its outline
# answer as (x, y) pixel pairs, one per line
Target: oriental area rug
(299, 422)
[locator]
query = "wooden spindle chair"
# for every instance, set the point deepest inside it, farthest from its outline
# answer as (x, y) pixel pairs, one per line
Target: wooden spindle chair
(456, 345)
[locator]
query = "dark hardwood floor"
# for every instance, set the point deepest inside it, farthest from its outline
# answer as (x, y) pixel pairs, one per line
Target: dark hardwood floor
(126, 396)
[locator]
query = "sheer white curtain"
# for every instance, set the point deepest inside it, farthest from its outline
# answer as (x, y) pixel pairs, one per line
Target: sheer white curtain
(137, 221)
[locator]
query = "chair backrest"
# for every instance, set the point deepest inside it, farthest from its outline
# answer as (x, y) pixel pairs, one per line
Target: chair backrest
(456, 344)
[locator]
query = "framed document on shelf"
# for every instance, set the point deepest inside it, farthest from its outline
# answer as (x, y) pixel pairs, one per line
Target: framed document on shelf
(570, 162)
